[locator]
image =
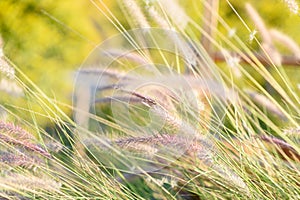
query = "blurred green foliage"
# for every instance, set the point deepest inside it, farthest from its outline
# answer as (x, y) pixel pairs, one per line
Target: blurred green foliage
(47, 40)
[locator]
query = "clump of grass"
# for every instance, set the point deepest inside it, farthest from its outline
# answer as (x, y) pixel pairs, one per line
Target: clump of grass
(225, 157)
(249, 165)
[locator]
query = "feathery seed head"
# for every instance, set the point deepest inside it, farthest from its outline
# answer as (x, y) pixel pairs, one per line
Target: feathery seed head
(292, 5)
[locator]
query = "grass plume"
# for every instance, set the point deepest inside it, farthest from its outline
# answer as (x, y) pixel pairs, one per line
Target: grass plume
(14, 135)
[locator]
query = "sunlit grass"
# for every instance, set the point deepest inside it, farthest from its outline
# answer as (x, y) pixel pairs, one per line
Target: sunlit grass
(203, 133)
